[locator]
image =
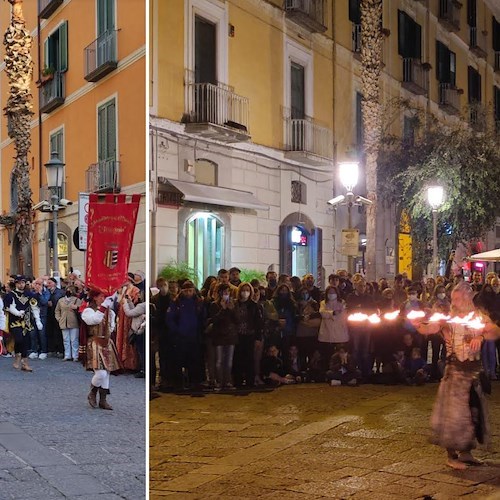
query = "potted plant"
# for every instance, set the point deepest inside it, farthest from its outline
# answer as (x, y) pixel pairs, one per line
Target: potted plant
(47, 74)
(174, 271)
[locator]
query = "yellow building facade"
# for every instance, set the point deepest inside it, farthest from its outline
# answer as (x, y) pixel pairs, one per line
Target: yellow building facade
(89, 98)
(264, 98)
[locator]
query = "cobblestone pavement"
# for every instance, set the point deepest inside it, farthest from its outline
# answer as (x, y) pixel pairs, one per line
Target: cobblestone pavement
(54, 445)
(308, 442)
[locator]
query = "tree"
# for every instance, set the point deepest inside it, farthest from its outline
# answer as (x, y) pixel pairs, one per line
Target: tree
(459, 158)
(19, 110)
(371, 61)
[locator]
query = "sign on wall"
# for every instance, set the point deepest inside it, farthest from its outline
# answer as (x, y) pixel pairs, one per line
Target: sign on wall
(350, 242)
(83, 220)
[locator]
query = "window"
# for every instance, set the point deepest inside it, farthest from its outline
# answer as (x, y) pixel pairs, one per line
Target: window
(298, 192)
(446, 70)
(62, 251)
(409, 130)
(205, 67)
(56, 49)
(474, 85)
(471, 13)
(355, 11)
(496, 103)
(297, 91)
(105, 16)
(205, 244)
(409, 37)
(496, 35)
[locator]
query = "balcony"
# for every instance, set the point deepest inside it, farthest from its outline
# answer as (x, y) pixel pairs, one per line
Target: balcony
(52, 93)
(415, 77)
(449, 14)
(103, 177)
(307, 13)
(478, 42)
(100, 57)
(215, 111)
(449, 98)
(47, 7)
(497, 61)
(478, 117)
(356, 39)
(307, 142)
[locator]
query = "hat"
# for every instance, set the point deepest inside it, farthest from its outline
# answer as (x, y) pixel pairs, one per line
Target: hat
(141, 274)
(188, 284)
(53, 280)
(234, 269)
(130, 276)
(19, 277)
(77, 273)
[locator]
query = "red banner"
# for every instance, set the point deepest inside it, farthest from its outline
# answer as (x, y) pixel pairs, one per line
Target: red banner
(111, 226)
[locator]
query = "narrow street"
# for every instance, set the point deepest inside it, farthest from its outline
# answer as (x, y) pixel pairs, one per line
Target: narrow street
(308, 442)
(54, 445)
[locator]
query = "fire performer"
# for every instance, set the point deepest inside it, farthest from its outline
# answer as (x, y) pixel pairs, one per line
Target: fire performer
(101, 355)
(459, 419)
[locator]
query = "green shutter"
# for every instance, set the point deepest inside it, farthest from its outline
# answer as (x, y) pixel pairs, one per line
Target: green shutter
(110, 15)
(101, 131)
(46, 61)
(63, 47)
(105, 16)
(111, 131)
(106, 123)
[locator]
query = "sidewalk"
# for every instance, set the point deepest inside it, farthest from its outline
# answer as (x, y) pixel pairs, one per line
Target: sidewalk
(54, 445)
(310, 441)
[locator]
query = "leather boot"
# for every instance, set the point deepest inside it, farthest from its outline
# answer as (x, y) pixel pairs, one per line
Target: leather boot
(102, 399)
(25, 366)
(17, 362)
(92, 397)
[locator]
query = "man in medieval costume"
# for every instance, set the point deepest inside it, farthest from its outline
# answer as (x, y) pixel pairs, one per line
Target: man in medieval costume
(100, 354)
(24, 314)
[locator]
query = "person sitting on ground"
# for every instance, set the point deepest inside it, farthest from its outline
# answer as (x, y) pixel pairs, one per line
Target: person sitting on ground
(342, 369)
(273, 368)
(416, 370)
(293, 364)
(315, 368)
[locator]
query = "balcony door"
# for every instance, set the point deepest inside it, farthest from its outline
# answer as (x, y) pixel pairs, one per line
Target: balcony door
(297, 93)
(206, 98)
(105, 31)
(106, 124)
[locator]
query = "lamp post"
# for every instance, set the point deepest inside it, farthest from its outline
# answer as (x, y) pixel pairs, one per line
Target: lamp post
(348, 173)
(55, 174)
(435, 197)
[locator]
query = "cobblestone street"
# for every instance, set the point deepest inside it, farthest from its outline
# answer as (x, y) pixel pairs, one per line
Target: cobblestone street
(54, 445)
(310, 441)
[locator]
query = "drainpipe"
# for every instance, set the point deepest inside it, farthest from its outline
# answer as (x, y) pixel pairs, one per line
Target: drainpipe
(40, 148)
(334, 144)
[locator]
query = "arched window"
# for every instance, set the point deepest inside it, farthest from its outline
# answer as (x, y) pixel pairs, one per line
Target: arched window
(205, 244)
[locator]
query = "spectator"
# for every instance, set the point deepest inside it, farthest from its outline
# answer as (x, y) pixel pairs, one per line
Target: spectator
(342, 369)
(54, 334)
(67, 318)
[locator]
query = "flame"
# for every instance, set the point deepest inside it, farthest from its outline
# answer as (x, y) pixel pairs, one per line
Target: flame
(391, 315)
(461, 321)
(438, 317)
(374, 319)
(357, 317)
(415, 314)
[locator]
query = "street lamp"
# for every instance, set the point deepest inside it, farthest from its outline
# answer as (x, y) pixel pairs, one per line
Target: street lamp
(435, 197)
(55, 175)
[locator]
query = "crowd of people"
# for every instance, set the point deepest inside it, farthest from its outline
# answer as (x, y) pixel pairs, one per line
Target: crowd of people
(40, 318)
(231, 334)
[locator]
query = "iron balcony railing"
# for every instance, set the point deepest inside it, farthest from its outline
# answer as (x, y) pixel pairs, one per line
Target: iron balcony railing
(304, 135)
(46, 192)
(356, 38)
(101, 56)
(308, 13)
(477, 40)
(497, 60)
(449, 13)
(414, 74)
(47, 7)
(103, 177)
(449, 97)
(216, 104)
(52, 93)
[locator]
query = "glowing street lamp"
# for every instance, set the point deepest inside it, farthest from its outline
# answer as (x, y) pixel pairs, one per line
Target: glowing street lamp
(348, 173)
(435, 196)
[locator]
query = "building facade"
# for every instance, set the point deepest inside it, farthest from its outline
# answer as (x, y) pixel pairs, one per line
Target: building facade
(253, 104)
(89, 95)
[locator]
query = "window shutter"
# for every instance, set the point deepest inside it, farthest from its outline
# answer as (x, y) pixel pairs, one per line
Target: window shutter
(496, 93)
(110, 15)
(452, 65)
(354, 11)
(470, 82)
(402, 30)
(102, 133)
(474, 80)
(111, 131)
(101, 17)
(285, 250)
(417, 40)
(46, 61)
(63, 47)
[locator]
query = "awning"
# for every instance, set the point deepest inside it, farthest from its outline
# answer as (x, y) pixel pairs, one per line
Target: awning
(214, 195)
(491, 256)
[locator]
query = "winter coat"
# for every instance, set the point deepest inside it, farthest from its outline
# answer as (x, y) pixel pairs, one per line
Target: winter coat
(333, 327)
(287, 311)
(137, 313)
(65, 315)
(185, 319)
(250, 321)
(224, 329)
(310, 319)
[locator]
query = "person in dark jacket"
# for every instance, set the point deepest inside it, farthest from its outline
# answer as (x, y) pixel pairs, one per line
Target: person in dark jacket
(342, 369)
(39, 337)
(249, 330)
(288, 313)
(224, 335)
(185, 321)
(54, 333)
